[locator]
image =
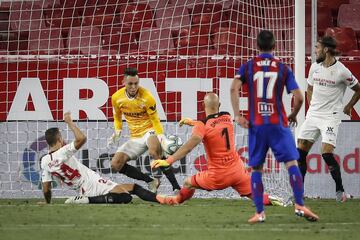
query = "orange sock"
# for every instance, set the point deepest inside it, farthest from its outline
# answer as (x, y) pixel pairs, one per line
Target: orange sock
(185, 194)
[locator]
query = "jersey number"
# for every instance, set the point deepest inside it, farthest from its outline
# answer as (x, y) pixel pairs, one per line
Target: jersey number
(225, 133)
(69, 172)
(259, 78)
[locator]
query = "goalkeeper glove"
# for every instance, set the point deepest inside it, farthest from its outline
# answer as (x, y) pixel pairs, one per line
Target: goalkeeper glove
(186, 121)
(162, 163)
(114, 138)
(159, 163)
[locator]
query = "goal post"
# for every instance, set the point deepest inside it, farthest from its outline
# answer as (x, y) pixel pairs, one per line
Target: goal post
(70, 55)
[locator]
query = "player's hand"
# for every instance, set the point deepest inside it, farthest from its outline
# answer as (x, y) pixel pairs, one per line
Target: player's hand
(292, 120)
(114, 138)
(186, 121)
(67, 117)
(347, 110)
(159, 163)
(242, 121)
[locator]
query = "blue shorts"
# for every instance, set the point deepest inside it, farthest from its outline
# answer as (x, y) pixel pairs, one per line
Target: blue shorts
(276, 137)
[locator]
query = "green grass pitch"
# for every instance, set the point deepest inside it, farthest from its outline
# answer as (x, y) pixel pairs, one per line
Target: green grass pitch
(196, 219)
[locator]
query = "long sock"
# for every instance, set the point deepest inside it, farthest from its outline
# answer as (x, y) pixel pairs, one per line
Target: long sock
(144, 194)
(135, 173)
(297, 185)
(111, 198)
(257, 189)
(334, 170)
(302, 162)
(185, 194)
(171, 177)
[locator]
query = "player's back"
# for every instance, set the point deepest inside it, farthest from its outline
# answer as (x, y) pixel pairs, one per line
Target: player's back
(64, 166)
(219, 141)
(266, 78)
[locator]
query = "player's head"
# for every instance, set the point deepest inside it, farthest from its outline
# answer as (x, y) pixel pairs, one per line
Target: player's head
(265, 41)
(325, 47)
(131, 80)
(53, 137)
(211, 103)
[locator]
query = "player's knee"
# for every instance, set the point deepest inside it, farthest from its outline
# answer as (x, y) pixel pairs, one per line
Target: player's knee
(119, 198)
(118, 162)
(330, 161)
(187, 183)
(304, 145)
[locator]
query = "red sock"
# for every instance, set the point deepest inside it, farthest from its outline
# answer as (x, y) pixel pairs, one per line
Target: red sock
(266, 199)
(185, 194)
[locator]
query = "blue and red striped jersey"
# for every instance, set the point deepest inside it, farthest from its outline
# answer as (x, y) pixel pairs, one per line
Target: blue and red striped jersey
(266, 78)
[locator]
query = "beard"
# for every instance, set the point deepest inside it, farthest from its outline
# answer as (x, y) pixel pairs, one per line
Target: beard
(320, 59)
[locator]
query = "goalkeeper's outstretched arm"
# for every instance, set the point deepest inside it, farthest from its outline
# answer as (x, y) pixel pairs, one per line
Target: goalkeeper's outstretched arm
(185, 149)
(117, 115)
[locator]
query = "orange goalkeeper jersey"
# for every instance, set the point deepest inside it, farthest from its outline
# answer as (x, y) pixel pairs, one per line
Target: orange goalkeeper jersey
(139, 112)
(218, 138)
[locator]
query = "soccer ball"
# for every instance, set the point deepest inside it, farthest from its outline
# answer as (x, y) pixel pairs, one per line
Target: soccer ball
(170, 144)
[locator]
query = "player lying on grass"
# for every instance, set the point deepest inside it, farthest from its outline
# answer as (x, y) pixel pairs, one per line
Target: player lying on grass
(61, 163)
(225, 168)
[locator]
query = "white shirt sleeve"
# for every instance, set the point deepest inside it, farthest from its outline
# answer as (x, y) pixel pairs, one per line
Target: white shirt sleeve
(348, 78)
(45, 174)
(67, 151)
(310, 79)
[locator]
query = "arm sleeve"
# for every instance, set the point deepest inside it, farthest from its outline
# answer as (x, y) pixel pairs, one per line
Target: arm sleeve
(241, 73)
(67, 151)
(46, 176)
(117, 114)
(349, 79)
(310, 79)
(290, 81)
(198, 129)
(154, 117)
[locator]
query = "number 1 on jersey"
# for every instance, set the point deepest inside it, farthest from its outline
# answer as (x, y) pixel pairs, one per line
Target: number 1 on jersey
(225, 133)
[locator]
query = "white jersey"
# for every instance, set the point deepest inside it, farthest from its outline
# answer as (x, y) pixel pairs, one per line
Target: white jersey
(329, 85)
(64, 166)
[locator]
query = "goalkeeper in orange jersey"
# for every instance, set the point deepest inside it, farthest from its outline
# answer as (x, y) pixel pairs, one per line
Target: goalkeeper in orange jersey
(139, 109)
(225, 168)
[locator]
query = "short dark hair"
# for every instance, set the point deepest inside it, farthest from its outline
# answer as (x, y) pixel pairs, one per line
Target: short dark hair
(330, 43)
(130, 72)
(52, 136)
(265, 40)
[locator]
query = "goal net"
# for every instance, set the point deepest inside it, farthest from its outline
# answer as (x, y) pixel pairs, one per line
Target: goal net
(65, 55)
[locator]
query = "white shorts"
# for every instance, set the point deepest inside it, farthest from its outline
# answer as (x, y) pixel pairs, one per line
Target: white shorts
(327, 126)
(136, 146)
(95, 185)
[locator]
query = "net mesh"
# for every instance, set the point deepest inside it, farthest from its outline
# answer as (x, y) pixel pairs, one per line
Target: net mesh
(70, 55)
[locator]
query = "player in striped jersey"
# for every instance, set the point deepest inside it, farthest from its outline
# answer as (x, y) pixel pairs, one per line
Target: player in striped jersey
(266, 78)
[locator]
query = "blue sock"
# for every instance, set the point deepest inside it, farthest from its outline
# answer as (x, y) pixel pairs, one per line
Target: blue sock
(257, 189)
(296, 183)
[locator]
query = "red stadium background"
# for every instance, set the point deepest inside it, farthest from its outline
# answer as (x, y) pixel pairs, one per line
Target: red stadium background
(51, 74)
